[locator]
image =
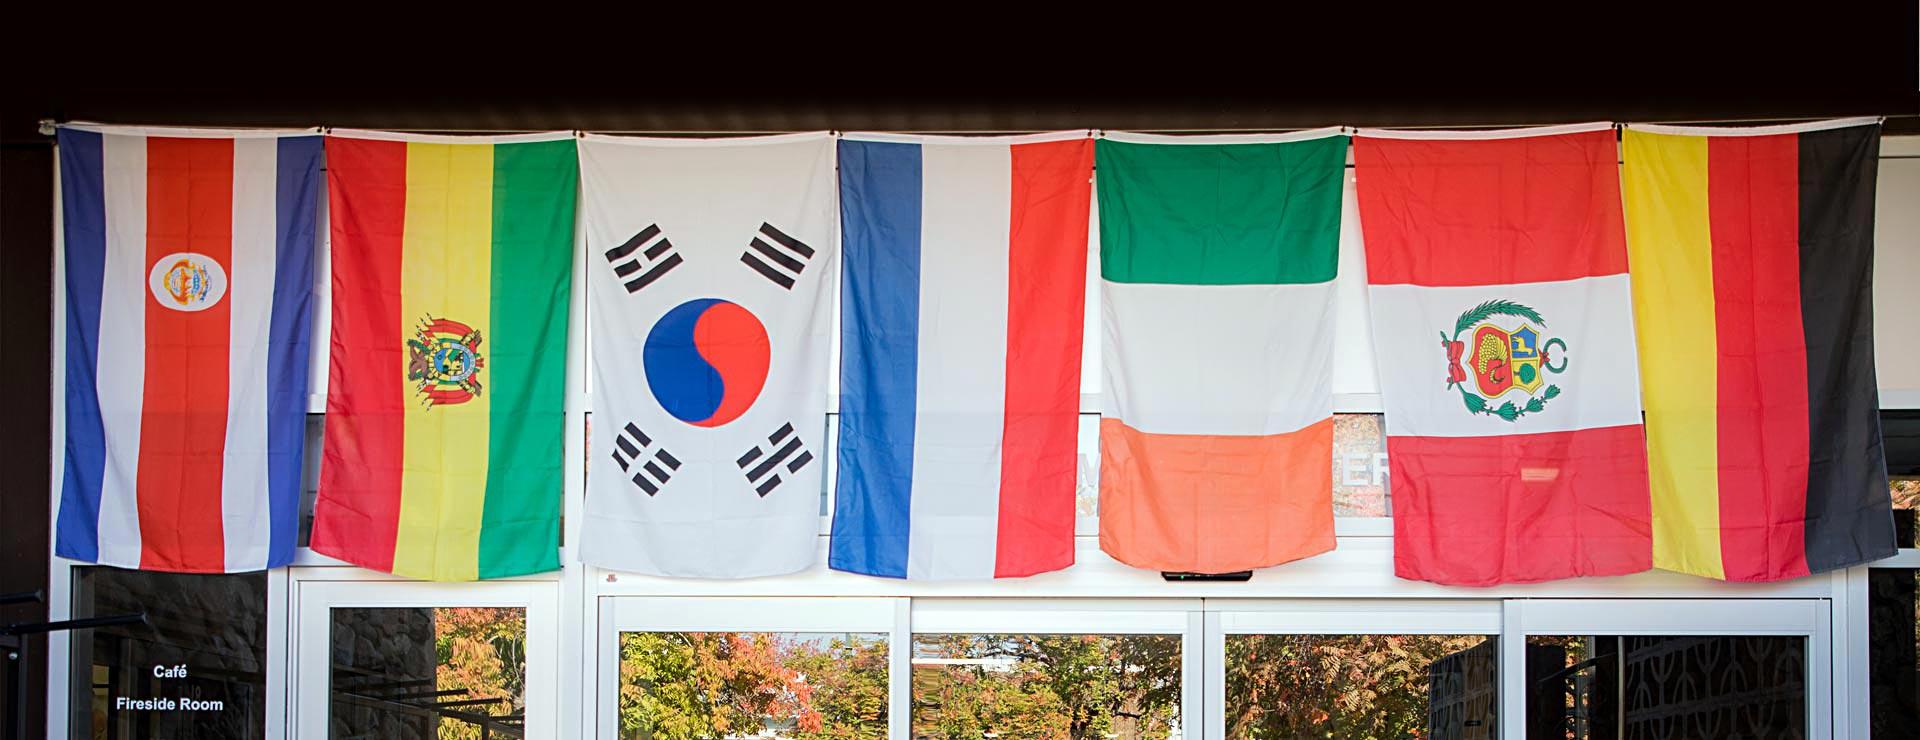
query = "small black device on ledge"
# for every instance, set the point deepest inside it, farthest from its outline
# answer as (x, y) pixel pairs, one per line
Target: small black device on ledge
(1235, 577)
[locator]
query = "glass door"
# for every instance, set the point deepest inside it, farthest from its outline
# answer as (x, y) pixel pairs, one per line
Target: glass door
(433, 661)
(749, 667)
(1607, 669)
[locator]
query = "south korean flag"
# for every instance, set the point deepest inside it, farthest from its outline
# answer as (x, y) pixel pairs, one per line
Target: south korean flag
(711, 267)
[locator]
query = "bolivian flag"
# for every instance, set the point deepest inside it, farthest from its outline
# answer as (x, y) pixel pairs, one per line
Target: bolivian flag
(1752, 255)
(1217, 260)
(451, 277)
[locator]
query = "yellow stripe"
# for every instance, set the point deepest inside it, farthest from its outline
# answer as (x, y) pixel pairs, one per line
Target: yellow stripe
(1665, 185)
(446, 273)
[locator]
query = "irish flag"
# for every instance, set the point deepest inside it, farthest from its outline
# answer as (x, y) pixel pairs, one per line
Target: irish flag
(1217, 259)
(451, 276)
(1497, 276)
(1752, 285)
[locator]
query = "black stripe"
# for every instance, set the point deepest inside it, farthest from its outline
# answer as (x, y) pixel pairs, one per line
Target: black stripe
(767, 486)
(781, 433)
(778, 256)
(786, 241)
(767, 465)
(668, 458)
(765, 271)
(751, 455)
(627, 248)
(1849, 514)
(623, 461)
(658, 474)
(638, 435)
(640, 479)
(647, 278)
(654, 251)
(626, 446)
(626, 268)
(800, 462)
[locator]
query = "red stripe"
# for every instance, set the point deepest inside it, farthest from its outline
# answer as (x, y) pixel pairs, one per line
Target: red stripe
(1046, 304)
(1480, 511)
(357, 513)
(1753, 214)
(1490, 212)
(183, 420)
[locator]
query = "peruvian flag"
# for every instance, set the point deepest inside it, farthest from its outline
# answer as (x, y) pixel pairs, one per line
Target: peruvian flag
(1502, 317)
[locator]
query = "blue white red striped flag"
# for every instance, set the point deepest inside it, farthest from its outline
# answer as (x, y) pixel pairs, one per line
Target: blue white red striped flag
(189, 297)
(965, 267)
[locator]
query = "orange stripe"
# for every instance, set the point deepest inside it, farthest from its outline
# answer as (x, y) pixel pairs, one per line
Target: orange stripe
(1215, 504)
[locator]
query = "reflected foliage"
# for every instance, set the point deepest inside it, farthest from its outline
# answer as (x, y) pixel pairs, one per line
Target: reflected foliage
(482, 650)
(1354, 687)
(1046, 686)
(688, 685)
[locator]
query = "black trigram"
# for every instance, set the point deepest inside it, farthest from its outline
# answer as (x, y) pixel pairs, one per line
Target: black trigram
(780, 264)
(656, 259)
(631, 444)
(761, 474)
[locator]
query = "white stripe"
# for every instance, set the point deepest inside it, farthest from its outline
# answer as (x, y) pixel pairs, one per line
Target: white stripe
(1483, 134)
(123, 347)
(1785, 128)
(1594, 316)
(1131, 137)
(961, 384)
(246, 515)
(704, 141)
(939, 140)
(1218, 359)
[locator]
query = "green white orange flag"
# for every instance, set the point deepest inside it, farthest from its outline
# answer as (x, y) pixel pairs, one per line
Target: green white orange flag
(1752, 255)
(1217, 260)
(451, 278)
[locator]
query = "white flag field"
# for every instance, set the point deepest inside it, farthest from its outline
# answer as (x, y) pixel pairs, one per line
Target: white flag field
(711, 267)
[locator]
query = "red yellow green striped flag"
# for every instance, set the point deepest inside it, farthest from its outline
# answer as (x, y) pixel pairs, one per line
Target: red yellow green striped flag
(451, 277)
(1752, 254)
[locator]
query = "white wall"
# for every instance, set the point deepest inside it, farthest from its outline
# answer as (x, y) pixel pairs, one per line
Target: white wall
(1896, 273)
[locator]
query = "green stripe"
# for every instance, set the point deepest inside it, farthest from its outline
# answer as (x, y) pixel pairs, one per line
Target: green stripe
(1220, 214)
(534, 186)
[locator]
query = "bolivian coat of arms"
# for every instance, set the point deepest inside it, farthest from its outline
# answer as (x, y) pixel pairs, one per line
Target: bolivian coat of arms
(1499, 353)
(444, 361)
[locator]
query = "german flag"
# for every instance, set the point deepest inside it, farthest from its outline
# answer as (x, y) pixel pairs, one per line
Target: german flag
(1752, 261)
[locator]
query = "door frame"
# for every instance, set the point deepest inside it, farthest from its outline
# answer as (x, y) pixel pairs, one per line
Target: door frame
(311, 662)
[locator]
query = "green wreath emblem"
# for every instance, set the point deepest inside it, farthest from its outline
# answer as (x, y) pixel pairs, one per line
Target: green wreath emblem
(1477, 404)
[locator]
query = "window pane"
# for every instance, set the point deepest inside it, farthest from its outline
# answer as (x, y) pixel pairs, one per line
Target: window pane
(1606, 687)
(1360, 466)
(753, 684)
(1031, 686)
(445, 673)
(195, 669)
(1893, 653)
(1362, 686)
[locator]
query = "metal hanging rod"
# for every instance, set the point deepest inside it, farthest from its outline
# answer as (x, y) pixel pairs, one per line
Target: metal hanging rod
(47, 126)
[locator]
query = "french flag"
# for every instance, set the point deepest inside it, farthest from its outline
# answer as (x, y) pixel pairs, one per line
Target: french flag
(962, 306)
(189, 297)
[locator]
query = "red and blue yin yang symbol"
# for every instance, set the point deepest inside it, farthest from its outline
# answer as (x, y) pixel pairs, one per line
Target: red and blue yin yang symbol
(706, 361)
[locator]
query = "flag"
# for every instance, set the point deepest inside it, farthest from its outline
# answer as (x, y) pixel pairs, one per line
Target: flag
(1497, 282)
(1217, 263)
(189, 293)
(711, 268)
(965, 294)
(1753, 275)
(451, 277)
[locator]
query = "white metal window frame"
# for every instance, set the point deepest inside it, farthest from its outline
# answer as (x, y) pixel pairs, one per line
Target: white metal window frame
(311, 659)
(1853, 673)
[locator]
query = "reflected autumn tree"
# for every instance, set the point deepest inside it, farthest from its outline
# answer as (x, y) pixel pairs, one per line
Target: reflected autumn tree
(688, 685)
(482, 650)
(1046, 686)
(1358, 687)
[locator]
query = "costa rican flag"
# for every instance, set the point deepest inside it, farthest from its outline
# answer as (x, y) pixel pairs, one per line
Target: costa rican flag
(188, 277)
(961, 322)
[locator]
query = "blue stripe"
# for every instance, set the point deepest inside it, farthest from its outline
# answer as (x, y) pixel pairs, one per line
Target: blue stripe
(879, 354)
(297, 188)
(83, 196)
